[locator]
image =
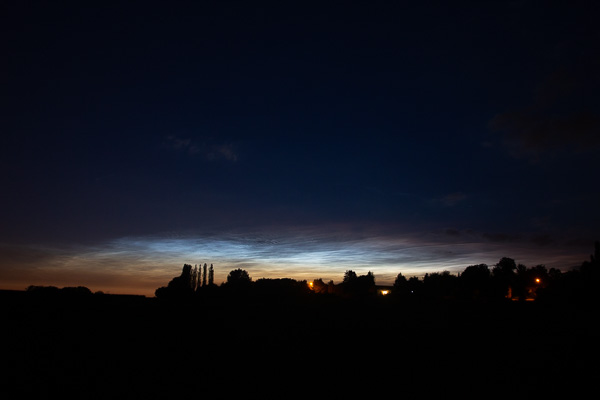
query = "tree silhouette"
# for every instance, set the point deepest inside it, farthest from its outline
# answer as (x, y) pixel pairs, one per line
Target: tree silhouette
(180, 286)
(204, 276)
(522, 282)
(238, 276)
(349, 276)
(440, 284)
(195, 277)
(595, 258)
(506, 266)
(475, 281)
(282, 288)
(586, 281)
(211, 276)
(414, 285)
(318, 286)
(354, 285)
(503, 275)
(68, 292)
(590, 269)
(186, 276)
(365, 284)
(400, 286)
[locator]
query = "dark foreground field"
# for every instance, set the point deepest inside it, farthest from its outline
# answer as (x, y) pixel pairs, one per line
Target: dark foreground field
(104, 346)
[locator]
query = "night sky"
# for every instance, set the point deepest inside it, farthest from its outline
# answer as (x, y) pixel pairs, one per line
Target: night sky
(294, 139)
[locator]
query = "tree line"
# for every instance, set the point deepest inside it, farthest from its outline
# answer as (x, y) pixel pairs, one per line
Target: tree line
(191, 280)
(504, 280)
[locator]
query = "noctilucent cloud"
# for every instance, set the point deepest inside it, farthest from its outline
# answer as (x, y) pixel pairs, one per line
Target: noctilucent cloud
(141, 264)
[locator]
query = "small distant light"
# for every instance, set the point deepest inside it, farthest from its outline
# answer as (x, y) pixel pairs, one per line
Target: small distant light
(310, 284)
(537, 280)
(385, 292)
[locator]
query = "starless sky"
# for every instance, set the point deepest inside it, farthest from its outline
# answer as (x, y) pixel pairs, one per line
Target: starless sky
(294, 139)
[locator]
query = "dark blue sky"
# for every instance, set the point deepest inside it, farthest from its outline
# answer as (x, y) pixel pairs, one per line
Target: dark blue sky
(474, 122)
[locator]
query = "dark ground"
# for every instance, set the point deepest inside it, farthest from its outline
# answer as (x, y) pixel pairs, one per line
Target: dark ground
(103, 346)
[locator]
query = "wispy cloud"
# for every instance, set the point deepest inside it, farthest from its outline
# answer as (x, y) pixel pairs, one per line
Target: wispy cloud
(450, 199)
(221, 152)
(453, 199)
(204, 149)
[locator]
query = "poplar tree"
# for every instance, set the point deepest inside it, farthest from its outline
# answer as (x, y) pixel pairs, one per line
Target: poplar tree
(211, 275)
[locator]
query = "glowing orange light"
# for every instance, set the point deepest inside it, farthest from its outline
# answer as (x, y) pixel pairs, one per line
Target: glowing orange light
(537, 280)
(310, 284)
(385, 292)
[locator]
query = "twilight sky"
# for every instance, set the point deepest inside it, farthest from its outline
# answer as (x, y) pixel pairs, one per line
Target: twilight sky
(294, 139)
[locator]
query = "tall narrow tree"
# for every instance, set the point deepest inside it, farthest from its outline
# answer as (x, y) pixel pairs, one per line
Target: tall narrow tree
(199, 280)
(194, 277)
(204, 275)
(211, 275)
